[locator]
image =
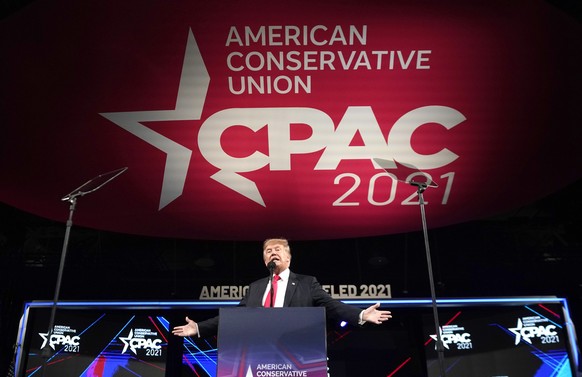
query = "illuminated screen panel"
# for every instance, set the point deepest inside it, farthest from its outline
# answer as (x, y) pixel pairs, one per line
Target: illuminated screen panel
(484, 337)
(199, 357)
(97, 343)
(387, 350)
(529, 340)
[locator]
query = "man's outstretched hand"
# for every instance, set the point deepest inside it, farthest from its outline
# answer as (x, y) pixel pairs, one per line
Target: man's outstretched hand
(189, 329)
(373, 315)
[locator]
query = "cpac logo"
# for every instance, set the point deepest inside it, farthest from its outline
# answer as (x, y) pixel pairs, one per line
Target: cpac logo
(452, 338)
(135, 344)
(59, 340)
(333, 141)
(528, 332)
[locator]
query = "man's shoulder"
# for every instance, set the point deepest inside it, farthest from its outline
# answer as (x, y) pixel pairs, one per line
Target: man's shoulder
(301, 277)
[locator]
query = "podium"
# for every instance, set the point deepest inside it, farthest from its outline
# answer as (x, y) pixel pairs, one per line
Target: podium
(288, 341)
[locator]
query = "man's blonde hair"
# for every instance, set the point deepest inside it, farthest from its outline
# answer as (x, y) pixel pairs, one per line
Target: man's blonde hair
(281, 241)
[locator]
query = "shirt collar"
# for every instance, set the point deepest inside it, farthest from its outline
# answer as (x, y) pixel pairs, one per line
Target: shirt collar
(285, 274)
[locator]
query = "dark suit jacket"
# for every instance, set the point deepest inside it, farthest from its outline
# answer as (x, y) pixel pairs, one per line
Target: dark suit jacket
(302, 290)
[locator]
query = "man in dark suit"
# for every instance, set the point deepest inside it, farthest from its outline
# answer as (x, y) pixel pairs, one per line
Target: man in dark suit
(291, 290)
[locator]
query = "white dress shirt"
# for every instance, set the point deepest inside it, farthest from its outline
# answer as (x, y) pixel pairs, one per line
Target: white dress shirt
(281, 289)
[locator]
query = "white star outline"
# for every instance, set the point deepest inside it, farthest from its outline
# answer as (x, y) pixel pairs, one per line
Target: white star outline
(45, 339)
(434, 337)
(125, 340)
(194, 83)
(517, 332)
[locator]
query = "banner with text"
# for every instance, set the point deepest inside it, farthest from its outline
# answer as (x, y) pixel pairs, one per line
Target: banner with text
(238, 120)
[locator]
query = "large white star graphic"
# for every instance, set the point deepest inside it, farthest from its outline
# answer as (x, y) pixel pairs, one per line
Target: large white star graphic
(45, 339)
(435, 338)
(517, 332)
(125, 340)
(194, 82)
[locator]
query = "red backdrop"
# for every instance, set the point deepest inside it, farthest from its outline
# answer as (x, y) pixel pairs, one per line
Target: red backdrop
(240, 120)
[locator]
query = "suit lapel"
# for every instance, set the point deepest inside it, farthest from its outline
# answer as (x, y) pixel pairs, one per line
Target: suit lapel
(256, 296)
(291, 286)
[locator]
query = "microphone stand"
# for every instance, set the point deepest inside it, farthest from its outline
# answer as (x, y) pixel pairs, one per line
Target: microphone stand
(46, 351)
(88, 187)
(271, 267)
(405, 173)
(440, 349)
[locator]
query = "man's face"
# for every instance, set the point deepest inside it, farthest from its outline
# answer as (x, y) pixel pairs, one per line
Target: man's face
(276, 252)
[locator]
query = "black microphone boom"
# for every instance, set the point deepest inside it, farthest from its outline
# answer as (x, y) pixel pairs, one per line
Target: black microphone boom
(271, 266)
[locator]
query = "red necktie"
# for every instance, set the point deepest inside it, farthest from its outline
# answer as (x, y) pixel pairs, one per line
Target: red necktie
(268, 298)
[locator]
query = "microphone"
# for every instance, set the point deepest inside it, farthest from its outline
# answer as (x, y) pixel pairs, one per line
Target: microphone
(271, 266)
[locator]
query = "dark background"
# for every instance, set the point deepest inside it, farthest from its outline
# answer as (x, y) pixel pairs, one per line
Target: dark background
(531, 250)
